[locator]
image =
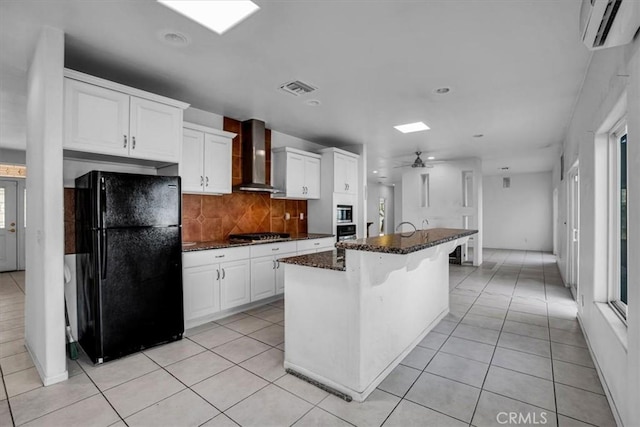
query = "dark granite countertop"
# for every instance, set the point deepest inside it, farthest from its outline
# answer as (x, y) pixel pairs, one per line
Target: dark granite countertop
(405, 243)
(221, 244)
(330, 260)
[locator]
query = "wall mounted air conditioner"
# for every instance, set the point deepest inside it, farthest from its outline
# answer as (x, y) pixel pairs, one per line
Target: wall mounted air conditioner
(609, 23)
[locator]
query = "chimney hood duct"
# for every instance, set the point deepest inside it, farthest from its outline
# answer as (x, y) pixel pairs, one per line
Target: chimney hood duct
(254, 158)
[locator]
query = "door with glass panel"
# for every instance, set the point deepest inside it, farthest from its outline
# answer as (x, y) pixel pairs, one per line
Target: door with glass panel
(8, 225)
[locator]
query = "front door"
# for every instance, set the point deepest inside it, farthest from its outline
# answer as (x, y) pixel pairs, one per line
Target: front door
(8, 225)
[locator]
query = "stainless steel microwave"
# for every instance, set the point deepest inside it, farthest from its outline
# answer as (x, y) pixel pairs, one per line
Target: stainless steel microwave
(344, 214)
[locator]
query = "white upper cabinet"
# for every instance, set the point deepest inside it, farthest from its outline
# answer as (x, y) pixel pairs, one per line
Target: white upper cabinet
(107, 118)
(345, 173)
(205, 166)
(296, 173)
(95, 119)
(155, 130)
(192, 149)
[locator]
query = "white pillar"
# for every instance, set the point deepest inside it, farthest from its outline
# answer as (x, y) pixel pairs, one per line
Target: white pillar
(44, 307)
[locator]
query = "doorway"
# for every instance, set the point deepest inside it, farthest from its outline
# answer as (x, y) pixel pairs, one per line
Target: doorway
(382, 207)
(8, 225)
(573, 223)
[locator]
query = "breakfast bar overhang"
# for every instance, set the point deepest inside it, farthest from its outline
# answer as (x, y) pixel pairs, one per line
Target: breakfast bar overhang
(350, 319)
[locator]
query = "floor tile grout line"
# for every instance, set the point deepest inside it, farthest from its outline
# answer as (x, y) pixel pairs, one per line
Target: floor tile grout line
(475, 409)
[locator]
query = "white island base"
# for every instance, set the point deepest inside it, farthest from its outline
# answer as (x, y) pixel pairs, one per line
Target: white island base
(349, 329)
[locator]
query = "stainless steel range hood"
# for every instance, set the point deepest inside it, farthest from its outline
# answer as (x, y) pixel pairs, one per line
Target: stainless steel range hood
(254, 158)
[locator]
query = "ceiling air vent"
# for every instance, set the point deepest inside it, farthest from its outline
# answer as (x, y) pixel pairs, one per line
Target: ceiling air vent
(297, 88)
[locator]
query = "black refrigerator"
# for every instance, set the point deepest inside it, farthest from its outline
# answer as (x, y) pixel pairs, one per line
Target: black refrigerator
(129, 263)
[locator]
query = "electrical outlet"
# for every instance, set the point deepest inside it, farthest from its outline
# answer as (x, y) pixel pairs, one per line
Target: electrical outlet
(287, 216)
(301, 216)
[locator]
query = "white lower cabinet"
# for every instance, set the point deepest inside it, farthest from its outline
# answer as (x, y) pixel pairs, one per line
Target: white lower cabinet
(201, 291)
(214, 280)
(220, 279)
(234, 284)
(267, 277)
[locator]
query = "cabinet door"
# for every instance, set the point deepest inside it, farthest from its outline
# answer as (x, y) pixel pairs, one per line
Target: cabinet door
(191, 163)
(155, 131)
(262, 277)
(201, 291)
(96, 120)
(217, 164)
(295, 175)
(339, 173)
(280, 273)
(312, 177)
(351, 173)
(235, 286)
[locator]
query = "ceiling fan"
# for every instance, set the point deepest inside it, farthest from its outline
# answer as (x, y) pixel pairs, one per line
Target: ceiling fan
(417, 163)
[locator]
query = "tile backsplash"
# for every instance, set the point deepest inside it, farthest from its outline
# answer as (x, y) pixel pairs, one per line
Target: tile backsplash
(206, 218)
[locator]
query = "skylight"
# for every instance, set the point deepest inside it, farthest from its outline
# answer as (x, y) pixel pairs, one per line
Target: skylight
(217, 15)
(412, 127)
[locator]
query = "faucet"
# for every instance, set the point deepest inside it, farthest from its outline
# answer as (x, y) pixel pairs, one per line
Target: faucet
(423, 221)
(399, 226)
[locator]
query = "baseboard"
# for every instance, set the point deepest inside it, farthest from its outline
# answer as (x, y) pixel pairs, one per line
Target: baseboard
(47, 380)
(605, 386)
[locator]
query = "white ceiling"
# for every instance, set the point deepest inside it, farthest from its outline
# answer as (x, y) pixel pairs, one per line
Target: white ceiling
(515, 69)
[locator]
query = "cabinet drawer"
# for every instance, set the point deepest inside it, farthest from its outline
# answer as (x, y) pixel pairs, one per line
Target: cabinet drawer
(325, 242)
(272, 249)
(197, 258)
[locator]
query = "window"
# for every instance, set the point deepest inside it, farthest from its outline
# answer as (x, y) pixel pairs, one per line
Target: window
(619, 220)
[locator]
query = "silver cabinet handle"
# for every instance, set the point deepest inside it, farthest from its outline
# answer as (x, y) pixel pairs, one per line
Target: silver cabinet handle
(316, 244)
(207, 181)
(133, 139)
(274, 264)
(223, 273)
(218, 271)
(125, 141)
(345, 186)
(278, 264)
(219, 256)
(201, 181)
(275, 249)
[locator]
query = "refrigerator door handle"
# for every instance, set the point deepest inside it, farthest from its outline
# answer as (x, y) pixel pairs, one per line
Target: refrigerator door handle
(103, 202)
(103, 254)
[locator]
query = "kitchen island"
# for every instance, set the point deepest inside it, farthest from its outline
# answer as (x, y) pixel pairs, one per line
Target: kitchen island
(352, 317)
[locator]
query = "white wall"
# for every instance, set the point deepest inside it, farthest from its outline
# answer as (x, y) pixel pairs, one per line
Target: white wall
(279, 139)
(445, 199)
(204, 118)
(519, 217)
(375, 192)
(616, 348)
(44, 300)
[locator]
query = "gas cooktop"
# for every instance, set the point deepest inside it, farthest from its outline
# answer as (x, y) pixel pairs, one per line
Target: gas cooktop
(259, 237)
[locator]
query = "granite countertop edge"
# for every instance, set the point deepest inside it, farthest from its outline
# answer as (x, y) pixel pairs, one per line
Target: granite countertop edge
(203, 246)
(328, 260)
(367, 246)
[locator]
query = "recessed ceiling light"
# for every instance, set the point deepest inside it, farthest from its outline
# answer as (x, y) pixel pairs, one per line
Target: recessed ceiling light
(478, 135)
(430, 158)
(374, 171)
(313, 102)
(412, 127)
(174, 38)
(218, 16)
(442, 90)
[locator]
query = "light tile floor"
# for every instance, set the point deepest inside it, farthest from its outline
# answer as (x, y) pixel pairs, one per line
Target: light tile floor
(511, 343)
